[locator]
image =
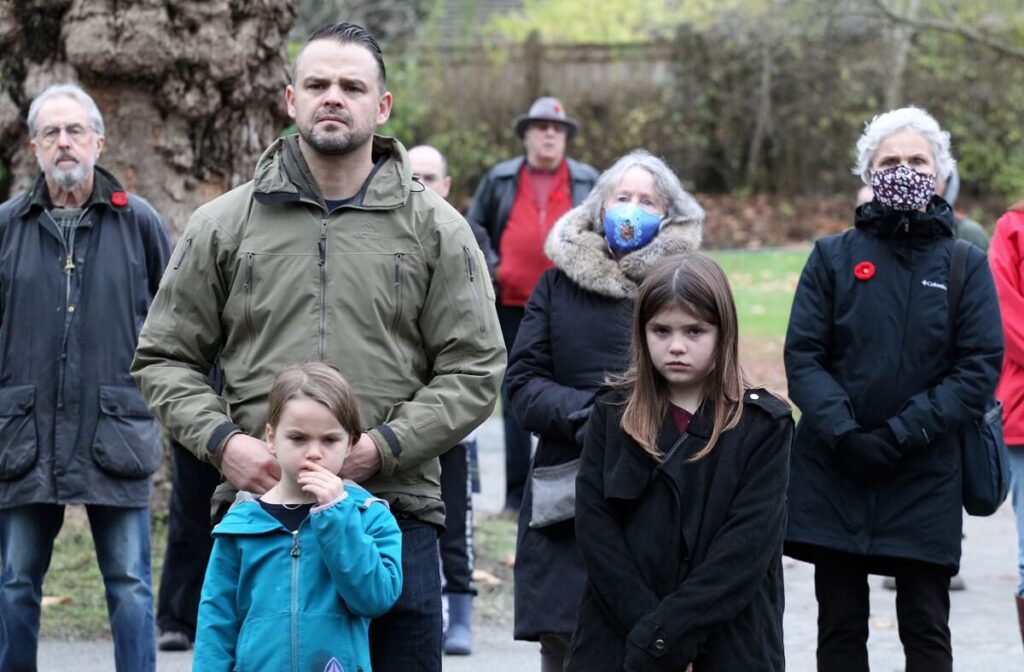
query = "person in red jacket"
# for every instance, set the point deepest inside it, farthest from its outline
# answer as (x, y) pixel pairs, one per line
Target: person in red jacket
(1006, 255)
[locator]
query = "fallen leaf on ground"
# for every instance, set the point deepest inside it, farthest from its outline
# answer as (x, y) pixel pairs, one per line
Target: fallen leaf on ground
(485, 577)
(54, 600)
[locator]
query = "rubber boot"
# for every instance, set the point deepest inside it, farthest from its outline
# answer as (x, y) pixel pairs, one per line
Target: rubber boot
(459, 641)
(1020, 616)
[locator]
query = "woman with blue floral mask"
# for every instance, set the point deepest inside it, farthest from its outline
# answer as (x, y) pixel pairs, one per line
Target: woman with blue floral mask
(885, 377)
(575, 331)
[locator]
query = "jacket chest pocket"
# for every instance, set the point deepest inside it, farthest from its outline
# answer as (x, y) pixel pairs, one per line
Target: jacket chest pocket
(18, 447)
(127, 442)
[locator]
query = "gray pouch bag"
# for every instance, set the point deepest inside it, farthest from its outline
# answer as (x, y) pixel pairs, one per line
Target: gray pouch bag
(554, 493)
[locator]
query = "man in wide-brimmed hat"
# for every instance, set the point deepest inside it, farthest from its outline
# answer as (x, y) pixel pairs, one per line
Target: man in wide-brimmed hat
(517, 203)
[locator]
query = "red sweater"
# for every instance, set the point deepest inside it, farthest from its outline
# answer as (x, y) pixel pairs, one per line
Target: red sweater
(1006, 256)
(521, 248)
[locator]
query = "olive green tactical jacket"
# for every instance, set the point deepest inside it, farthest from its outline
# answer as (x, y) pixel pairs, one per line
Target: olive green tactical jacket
(394, 292)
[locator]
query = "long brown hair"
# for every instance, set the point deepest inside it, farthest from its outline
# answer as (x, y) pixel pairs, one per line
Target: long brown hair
(697, 284)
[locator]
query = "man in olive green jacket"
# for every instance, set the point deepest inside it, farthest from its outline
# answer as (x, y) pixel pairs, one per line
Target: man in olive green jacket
(334, 253)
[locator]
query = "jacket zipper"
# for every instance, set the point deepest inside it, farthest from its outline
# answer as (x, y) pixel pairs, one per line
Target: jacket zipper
(295, 553)
(471, 272)
(322, 249)
(684, 549)
(69, 268)
(398, 305)
(184, 253)
(247, 286)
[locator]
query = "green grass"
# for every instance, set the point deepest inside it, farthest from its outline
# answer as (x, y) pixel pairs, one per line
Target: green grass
(763, 283)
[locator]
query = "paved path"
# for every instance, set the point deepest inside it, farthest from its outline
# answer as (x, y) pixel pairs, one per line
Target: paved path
(984, 624)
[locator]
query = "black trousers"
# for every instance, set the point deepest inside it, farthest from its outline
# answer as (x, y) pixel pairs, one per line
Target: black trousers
(188, 542)
(517, 439)
(457, 540)
(922, 609)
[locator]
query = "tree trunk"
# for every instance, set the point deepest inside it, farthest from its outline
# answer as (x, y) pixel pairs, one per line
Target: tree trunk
(191, 91)
(901, 39)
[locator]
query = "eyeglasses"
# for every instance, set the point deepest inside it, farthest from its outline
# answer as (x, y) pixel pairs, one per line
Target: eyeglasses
(77, 133)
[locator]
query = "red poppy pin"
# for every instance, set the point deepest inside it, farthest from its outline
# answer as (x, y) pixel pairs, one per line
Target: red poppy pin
(119, 198)
(865, 270)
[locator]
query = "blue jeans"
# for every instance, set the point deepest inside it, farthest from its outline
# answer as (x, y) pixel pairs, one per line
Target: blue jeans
(1017, 492)
(408, 637)
(121, 536)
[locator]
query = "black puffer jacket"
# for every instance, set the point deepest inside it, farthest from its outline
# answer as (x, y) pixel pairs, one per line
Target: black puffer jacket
(684, 559)
(574, 332)
(874, 352)
(73, 427)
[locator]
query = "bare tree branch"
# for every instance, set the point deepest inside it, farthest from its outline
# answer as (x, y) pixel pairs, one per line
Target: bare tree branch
(965, 32)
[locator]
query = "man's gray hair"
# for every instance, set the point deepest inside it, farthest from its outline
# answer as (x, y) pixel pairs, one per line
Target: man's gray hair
(72, 91)
(905, 118)
(679, 204)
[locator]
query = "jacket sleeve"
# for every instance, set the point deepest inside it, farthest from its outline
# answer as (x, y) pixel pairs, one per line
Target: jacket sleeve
(363, 553)
(542, 404)
(1005, 259)
(483, 209)
(219, 622)
(739, 556)
(809, 339)
(612, 571)
(157, 244)
(462, 338)
(181, 338)
(978, 357)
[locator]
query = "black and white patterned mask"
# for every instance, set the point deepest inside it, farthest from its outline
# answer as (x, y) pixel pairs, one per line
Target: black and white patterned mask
(903, 188)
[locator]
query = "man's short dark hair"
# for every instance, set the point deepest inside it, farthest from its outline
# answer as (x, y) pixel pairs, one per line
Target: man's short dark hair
(350, 33)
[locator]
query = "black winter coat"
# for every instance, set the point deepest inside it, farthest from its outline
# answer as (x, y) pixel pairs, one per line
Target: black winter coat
(568, 341)
(868, 353)
(575, 331)
(73, 426)
(684, 559)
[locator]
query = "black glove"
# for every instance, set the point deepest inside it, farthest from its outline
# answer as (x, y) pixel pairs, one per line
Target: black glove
(866, 457)
(579, 421)
(885, 434)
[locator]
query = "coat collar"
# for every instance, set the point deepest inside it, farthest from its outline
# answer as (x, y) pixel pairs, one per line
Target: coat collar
(104, 186)
(938, 221)
(577, 247)
(282, 175)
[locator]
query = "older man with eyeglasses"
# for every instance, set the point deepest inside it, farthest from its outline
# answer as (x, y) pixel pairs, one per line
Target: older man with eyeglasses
(80, 261)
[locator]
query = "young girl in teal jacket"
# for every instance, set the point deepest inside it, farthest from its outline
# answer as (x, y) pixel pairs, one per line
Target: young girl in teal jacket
(297, 573)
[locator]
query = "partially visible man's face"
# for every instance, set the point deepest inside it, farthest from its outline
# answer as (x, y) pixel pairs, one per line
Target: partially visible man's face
(336, 100)
(65, 143)
(545, 143)
(428, 167)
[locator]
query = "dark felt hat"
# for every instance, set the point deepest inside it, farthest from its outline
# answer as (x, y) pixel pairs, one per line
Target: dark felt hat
(546, 109)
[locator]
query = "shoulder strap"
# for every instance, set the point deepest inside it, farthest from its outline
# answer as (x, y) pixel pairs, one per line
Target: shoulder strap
(957, 274)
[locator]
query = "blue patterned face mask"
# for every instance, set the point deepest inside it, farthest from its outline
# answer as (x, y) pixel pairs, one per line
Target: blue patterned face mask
(629, 227)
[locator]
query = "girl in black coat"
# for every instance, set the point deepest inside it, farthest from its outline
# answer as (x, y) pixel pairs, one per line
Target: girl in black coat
(876, 484)
(574, 332)
(681, 495)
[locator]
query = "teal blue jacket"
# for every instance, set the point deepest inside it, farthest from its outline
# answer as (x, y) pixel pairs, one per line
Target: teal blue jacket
(302, 601)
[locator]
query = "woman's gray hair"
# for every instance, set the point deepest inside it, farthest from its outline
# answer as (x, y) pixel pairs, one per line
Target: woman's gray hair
(72, 91)
(905, 118)
(679, 204)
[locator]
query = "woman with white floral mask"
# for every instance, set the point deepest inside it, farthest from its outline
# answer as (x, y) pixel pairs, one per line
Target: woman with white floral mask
(883, 387)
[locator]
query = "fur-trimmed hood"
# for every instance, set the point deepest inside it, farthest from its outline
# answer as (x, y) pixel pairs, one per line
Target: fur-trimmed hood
(578, 248)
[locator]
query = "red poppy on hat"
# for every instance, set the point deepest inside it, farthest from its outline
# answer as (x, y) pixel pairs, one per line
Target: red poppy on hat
(865, 270)
(119, 198)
